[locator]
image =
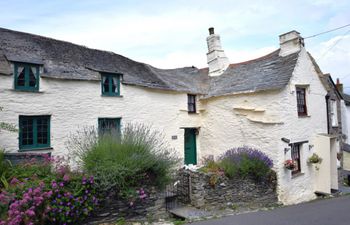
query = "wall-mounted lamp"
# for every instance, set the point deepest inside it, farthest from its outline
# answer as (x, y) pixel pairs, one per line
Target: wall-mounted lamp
(286, 140)
(286, 150)
(310, 147)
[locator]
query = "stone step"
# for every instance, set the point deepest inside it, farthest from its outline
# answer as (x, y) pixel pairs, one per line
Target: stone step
(190, 213)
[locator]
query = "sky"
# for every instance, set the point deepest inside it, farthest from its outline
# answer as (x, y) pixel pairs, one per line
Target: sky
(170, 34)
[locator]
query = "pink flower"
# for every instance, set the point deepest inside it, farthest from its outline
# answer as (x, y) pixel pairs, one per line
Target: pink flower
(30, 213)
(66, 178)
(14, 181)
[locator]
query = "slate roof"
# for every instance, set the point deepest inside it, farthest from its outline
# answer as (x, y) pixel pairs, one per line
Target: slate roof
(64, 60)
(346, 98)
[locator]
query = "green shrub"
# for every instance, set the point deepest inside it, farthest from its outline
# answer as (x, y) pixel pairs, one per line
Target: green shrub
(231, 170)
(5, 166)
(139, 156)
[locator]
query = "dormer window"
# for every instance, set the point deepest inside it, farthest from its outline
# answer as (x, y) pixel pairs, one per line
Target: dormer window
(110, 84)
(26, 77)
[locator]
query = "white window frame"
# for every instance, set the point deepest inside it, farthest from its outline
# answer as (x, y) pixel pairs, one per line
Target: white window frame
(334, 113)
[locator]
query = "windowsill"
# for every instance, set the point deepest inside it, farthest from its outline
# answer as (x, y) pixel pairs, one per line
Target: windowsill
(297, 175)
(27, 91)
(304, 116)
(113, 96)
(35, 149)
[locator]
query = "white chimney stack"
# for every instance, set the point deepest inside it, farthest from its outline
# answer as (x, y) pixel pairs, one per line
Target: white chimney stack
(290, 42)
(216, 58)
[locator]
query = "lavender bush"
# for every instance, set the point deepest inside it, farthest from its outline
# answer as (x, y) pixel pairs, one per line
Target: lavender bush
(246, 162)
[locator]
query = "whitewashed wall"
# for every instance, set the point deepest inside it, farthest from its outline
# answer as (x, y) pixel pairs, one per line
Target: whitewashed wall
(256, 119)
(74, 104)
(262, 119)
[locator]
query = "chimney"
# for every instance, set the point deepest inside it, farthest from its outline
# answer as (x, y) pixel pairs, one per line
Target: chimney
(290, 42)
(216, 58)
(339, 86)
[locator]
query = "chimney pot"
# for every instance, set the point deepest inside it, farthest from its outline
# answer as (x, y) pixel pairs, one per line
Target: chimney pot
(211, 30)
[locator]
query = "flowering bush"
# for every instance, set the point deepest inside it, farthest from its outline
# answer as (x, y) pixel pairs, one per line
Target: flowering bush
(246, 162)
(30, 208)
(46, 192)
(290, 164)
(67, 207)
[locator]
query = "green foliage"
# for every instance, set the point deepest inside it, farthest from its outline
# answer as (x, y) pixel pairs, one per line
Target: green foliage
(230, 169)
(7, 126)
(46, 192)
(314, 159)
(253, 167)
(139, 156)
(5, 166)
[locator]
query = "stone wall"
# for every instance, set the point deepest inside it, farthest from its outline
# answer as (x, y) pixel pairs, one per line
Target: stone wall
(114, 208)
(209, 191)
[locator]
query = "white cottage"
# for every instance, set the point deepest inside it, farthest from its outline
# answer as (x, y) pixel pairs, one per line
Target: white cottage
(276, 103)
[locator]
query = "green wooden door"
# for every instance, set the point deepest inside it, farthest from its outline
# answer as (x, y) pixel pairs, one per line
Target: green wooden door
(190, 146)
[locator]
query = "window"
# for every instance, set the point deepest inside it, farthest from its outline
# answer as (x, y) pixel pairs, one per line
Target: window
(296, 158)
(110, 84)
(34, 132)
(334, 114)
(301, 101)
(109, 125)
(191, 103)
(26, 77)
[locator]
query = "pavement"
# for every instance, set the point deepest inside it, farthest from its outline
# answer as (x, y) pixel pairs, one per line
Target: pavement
(334, 211)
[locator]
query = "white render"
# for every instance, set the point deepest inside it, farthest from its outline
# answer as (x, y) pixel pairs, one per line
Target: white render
(257, 119)
(75, 104)
(216, 58)
(290, 42)
(261, 119)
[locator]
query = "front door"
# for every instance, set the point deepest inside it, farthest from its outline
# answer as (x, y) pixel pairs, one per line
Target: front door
(190, 146)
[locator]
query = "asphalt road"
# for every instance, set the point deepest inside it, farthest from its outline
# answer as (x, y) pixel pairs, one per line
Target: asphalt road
(335, 211)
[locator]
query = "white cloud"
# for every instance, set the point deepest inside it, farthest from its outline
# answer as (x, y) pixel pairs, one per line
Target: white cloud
(333, 56)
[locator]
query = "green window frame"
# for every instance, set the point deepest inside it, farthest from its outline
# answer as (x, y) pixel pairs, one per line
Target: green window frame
(34, 132)
(110, 84)
(26, 76)
(109, 125)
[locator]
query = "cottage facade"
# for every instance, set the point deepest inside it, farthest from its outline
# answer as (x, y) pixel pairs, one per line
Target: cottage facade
(276, 103)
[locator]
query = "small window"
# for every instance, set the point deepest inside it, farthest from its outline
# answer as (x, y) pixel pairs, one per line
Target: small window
(296, 158)
(34, 132)
(26, 77)
(334, 113)
(301, 101)
(191, 103)
(110, 84)
(109, 126)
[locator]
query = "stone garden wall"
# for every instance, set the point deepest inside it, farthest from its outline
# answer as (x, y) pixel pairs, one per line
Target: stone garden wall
(213, 191)
(114, 208)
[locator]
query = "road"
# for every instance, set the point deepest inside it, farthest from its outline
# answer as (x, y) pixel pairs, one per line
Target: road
(335, 211)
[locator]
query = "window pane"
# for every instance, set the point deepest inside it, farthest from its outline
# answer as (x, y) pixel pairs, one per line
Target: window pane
(32, 78)
(27, 131)
(296, 157)
(42, 129)
(105, 84)
(109, 125)
(20, 76)
(301, 104)
(114, 85)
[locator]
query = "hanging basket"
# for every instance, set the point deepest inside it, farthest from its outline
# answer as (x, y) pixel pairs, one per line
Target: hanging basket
(290, 164)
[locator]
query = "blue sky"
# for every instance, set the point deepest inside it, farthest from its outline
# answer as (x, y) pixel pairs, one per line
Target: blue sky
(170, 34)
